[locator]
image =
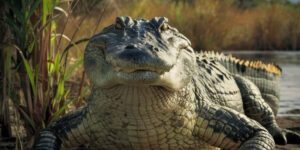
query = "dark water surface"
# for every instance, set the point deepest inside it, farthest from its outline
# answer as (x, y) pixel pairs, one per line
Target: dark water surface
(290, 82)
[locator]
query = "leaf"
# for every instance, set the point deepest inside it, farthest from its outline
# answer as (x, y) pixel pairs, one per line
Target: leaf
(48, 7)
(56, 114)
(33, 8)
(25, 116)
(61, 10)
(29, 71)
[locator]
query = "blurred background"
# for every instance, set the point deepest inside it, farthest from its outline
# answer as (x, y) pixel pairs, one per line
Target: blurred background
(214, 24)
(42, 44)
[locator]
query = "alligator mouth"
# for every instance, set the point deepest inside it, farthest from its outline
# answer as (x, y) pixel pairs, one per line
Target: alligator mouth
(138, 69)
(137, 74)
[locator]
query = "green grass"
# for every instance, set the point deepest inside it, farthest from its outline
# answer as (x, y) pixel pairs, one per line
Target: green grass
(36, 69)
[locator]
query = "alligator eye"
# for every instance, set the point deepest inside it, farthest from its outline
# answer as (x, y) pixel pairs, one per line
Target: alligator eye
(118, 26)
(164, 27)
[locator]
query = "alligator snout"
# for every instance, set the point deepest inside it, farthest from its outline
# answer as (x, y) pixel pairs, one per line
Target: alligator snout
(135, 57)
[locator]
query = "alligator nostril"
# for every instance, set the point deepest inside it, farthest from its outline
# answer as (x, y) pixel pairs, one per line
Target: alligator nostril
(153, 48)
(130, 47)
(156, 49)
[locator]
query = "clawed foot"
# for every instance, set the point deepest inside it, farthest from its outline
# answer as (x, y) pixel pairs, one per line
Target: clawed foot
(285, 136)
(292, 137)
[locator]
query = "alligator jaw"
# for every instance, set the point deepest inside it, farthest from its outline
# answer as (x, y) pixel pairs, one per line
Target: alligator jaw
(137, 69)
(140, 78)
(138, 74)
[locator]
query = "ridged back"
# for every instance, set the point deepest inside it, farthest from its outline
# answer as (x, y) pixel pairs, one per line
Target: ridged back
(265, 76)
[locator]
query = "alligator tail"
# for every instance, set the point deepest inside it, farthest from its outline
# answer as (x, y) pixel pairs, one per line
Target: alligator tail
(265, 76)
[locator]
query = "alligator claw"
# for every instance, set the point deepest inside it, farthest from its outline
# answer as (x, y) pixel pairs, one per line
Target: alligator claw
(280, 140)
(291, 136)
(284, 136)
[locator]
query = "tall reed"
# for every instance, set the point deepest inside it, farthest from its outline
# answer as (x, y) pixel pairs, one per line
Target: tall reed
(35, 63)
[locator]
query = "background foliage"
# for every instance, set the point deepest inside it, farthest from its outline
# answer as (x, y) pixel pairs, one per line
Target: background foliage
(215, 24)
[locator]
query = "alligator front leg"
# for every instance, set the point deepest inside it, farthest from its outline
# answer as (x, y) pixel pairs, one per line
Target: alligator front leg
(228, 129)
(69, 131)
(256, 108)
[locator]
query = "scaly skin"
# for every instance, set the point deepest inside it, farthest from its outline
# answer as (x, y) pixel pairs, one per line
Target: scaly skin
(151, 91)
(265, 76)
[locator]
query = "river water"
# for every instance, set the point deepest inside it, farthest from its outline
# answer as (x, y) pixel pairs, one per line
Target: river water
(290, 81)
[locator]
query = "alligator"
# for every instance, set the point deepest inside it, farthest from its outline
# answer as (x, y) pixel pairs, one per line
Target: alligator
(151, 90)
(265, 76)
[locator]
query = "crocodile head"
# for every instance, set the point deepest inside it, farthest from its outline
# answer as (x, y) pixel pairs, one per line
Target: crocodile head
(139, 53)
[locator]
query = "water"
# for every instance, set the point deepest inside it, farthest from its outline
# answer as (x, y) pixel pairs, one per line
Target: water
(290, 82)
